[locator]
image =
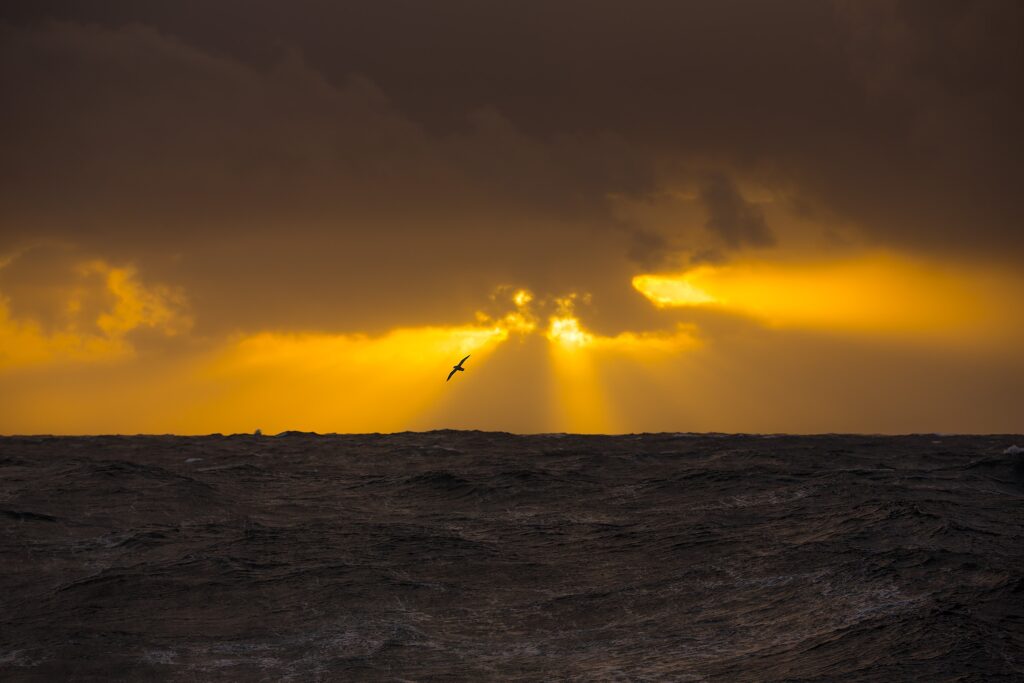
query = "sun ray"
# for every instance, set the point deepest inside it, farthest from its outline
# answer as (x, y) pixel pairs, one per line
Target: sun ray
(581, 402)
(343, 382)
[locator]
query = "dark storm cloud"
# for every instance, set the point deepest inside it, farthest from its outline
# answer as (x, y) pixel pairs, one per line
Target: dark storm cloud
(273, 159)
(734, 220)
(648, 248)
(133, 121)
(943, 170)
(277, 194)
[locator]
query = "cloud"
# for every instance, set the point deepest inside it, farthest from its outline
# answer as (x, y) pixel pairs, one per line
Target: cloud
(237, 178)
(536, 366)
(325, 176)
(136, 306)
(734, 220)
(894, 296)
(162, 128)
(94, 313)
(897, 117)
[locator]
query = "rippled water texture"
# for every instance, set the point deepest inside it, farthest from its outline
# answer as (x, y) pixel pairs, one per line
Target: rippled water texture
(467, 555)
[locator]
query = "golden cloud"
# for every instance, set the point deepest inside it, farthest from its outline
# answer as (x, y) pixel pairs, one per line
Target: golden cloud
(130, 305)
(877, 292)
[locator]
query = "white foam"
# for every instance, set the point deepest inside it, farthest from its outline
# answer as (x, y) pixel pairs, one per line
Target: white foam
(1013, 450)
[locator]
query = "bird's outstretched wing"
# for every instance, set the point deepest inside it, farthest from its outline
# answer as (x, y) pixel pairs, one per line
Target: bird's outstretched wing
(463, 360)
(450, 374)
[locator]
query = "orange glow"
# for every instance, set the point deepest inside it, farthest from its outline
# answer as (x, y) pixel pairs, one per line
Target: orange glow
(338, 382)
(876, 292)
(581, 402)
(520, 320)
(135, 305)
(24, 342)
(276, 380)
(88, 370)
(666, 290)
(564, 327)
(581, 396)
(566, 331)
(522, 297)
(580, 399)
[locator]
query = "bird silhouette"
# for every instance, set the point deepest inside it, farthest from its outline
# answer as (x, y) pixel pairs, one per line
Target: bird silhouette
(457, 368)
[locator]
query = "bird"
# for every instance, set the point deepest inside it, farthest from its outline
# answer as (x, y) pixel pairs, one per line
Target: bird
(457, 368)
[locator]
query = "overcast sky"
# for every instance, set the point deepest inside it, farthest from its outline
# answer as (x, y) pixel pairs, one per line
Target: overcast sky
(225, 215)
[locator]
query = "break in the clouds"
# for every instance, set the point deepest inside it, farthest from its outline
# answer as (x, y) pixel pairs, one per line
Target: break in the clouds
(180, 180)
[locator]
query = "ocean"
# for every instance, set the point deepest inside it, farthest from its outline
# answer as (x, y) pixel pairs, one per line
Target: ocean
(477, 556)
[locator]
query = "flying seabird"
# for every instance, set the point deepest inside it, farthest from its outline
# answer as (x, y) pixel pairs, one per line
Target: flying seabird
(457, 368)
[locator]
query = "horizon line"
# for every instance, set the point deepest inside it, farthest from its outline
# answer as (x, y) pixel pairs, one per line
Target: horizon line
(297, 432)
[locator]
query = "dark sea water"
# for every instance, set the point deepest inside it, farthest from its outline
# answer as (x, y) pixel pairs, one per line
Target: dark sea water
(485, 556)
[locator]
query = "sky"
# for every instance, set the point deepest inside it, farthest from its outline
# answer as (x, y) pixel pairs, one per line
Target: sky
(727, 215)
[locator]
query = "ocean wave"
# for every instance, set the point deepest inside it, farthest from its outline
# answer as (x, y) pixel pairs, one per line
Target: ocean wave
(476, 555)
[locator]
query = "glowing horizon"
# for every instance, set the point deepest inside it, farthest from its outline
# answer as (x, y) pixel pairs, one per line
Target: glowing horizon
(393, 381)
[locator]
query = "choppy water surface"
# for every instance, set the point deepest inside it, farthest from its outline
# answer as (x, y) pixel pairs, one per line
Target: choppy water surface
(467, 555)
